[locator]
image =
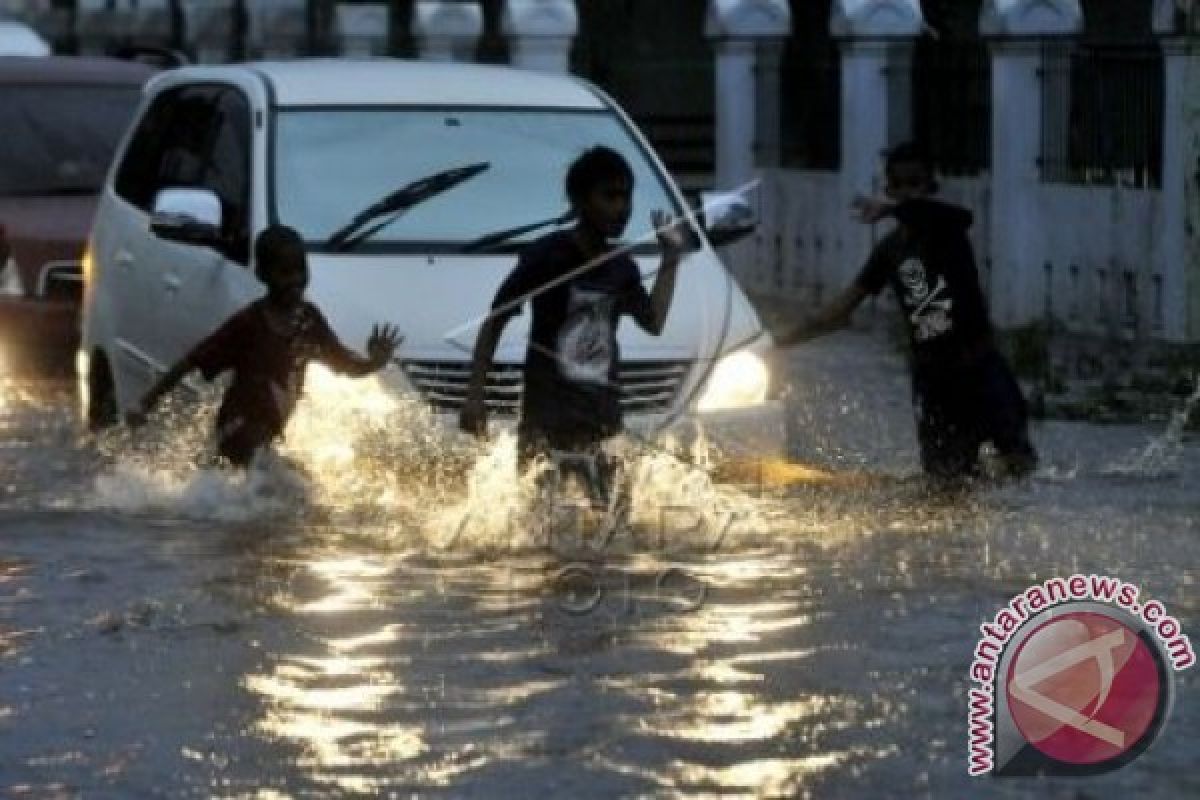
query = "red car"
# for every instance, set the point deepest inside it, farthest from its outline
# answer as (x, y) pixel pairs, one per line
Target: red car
(62, 119)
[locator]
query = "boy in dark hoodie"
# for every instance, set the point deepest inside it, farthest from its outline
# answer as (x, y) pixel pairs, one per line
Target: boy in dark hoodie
(267, 345)
(963, 390)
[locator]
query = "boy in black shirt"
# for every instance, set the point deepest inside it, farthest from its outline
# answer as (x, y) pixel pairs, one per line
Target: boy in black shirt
(963, 390)
(268, 345)
(579, 288)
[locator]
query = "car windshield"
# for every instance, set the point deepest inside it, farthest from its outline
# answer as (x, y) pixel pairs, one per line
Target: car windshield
(332, 163)
(61, 139)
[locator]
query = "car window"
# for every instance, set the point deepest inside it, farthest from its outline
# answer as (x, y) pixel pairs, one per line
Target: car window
(330, 163)
(61, 139)
(196, 137)
(154, 153)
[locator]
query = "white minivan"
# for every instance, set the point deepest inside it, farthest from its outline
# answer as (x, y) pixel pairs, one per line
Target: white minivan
(414, 185)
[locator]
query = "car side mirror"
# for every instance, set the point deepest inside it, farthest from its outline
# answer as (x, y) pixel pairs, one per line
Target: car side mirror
(191, 216)
(728, 217)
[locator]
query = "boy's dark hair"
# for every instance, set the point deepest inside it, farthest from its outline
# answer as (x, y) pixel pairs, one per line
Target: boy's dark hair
(912, 153)
(271, 244)
(596, 165)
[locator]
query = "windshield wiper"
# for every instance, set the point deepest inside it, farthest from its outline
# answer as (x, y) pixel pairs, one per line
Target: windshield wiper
(491, 240)
(399, 201)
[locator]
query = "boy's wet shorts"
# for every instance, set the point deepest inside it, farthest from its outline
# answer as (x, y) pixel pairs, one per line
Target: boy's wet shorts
(961, 407)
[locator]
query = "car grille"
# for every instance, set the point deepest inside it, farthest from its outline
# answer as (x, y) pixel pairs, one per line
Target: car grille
(61, 280)
(647, 387)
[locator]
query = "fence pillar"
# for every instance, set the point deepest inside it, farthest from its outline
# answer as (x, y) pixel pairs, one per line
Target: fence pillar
(447, 31)
(540, 33)
(737, 27)
(1180, 257)
(875, 39)
(1019, 30)
(361, 29)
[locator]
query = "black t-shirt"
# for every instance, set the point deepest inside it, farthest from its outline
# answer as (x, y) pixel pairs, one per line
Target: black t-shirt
(268, 363)
(572, 358)
(930, 265)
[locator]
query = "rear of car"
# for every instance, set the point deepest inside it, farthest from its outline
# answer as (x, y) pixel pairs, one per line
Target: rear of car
(62, 120)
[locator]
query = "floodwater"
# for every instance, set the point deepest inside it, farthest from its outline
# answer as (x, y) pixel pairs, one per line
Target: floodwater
(349, 621)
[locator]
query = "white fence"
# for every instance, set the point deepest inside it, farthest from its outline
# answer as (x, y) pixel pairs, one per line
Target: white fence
(1096, 265)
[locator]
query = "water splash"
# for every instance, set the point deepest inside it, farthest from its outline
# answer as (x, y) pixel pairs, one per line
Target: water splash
(361, 456)
(1160, 457)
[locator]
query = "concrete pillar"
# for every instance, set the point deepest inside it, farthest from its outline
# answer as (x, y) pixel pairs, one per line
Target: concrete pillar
(737, 28)
(1019, 29)
(361, 29)
(875, 39)
(1180, 257)
(540, 33)
(447, 31)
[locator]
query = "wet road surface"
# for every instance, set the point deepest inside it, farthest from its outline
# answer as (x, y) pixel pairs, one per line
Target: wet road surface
(167, 630)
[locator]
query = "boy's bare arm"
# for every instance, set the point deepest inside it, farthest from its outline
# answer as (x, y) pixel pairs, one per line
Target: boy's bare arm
(829, 318)
(473, 417)
(164, 384)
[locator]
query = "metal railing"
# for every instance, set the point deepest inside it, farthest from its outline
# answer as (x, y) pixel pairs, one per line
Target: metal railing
(1102, 120)
(952, 104)
(811, 106)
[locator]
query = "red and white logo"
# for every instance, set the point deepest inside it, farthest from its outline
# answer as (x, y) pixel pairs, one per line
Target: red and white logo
(1084, 688)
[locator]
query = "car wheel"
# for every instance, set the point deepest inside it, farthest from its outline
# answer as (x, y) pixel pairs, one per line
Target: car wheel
(101, 409)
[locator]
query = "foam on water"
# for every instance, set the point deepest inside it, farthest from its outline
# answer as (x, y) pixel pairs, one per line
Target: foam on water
(358, 454)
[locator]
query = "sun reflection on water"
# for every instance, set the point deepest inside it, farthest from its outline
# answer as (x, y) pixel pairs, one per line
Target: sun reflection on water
(433, 644)
(338, 707)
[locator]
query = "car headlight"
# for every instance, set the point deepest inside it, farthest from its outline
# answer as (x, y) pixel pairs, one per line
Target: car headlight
(739, 380)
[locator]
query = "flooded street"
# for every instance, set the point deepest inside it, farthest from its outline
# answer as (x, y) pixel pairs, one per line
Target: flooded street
(170, 631)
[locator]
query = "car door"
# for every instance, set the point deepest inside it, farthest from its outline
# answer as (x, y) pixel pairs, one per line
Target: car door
(137, 259)
(203, 285)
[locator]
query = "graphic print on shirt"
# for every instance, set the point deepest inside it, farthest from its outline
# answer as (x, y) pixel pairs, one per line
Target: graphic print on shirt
(928, 308)
(301, 350)
(585, 342)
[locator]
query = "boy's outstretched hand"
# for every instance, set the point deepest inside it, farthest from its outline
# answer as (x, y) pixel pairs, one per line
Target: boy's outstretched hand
(382, 343)
(871, 209)
(672, 237)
